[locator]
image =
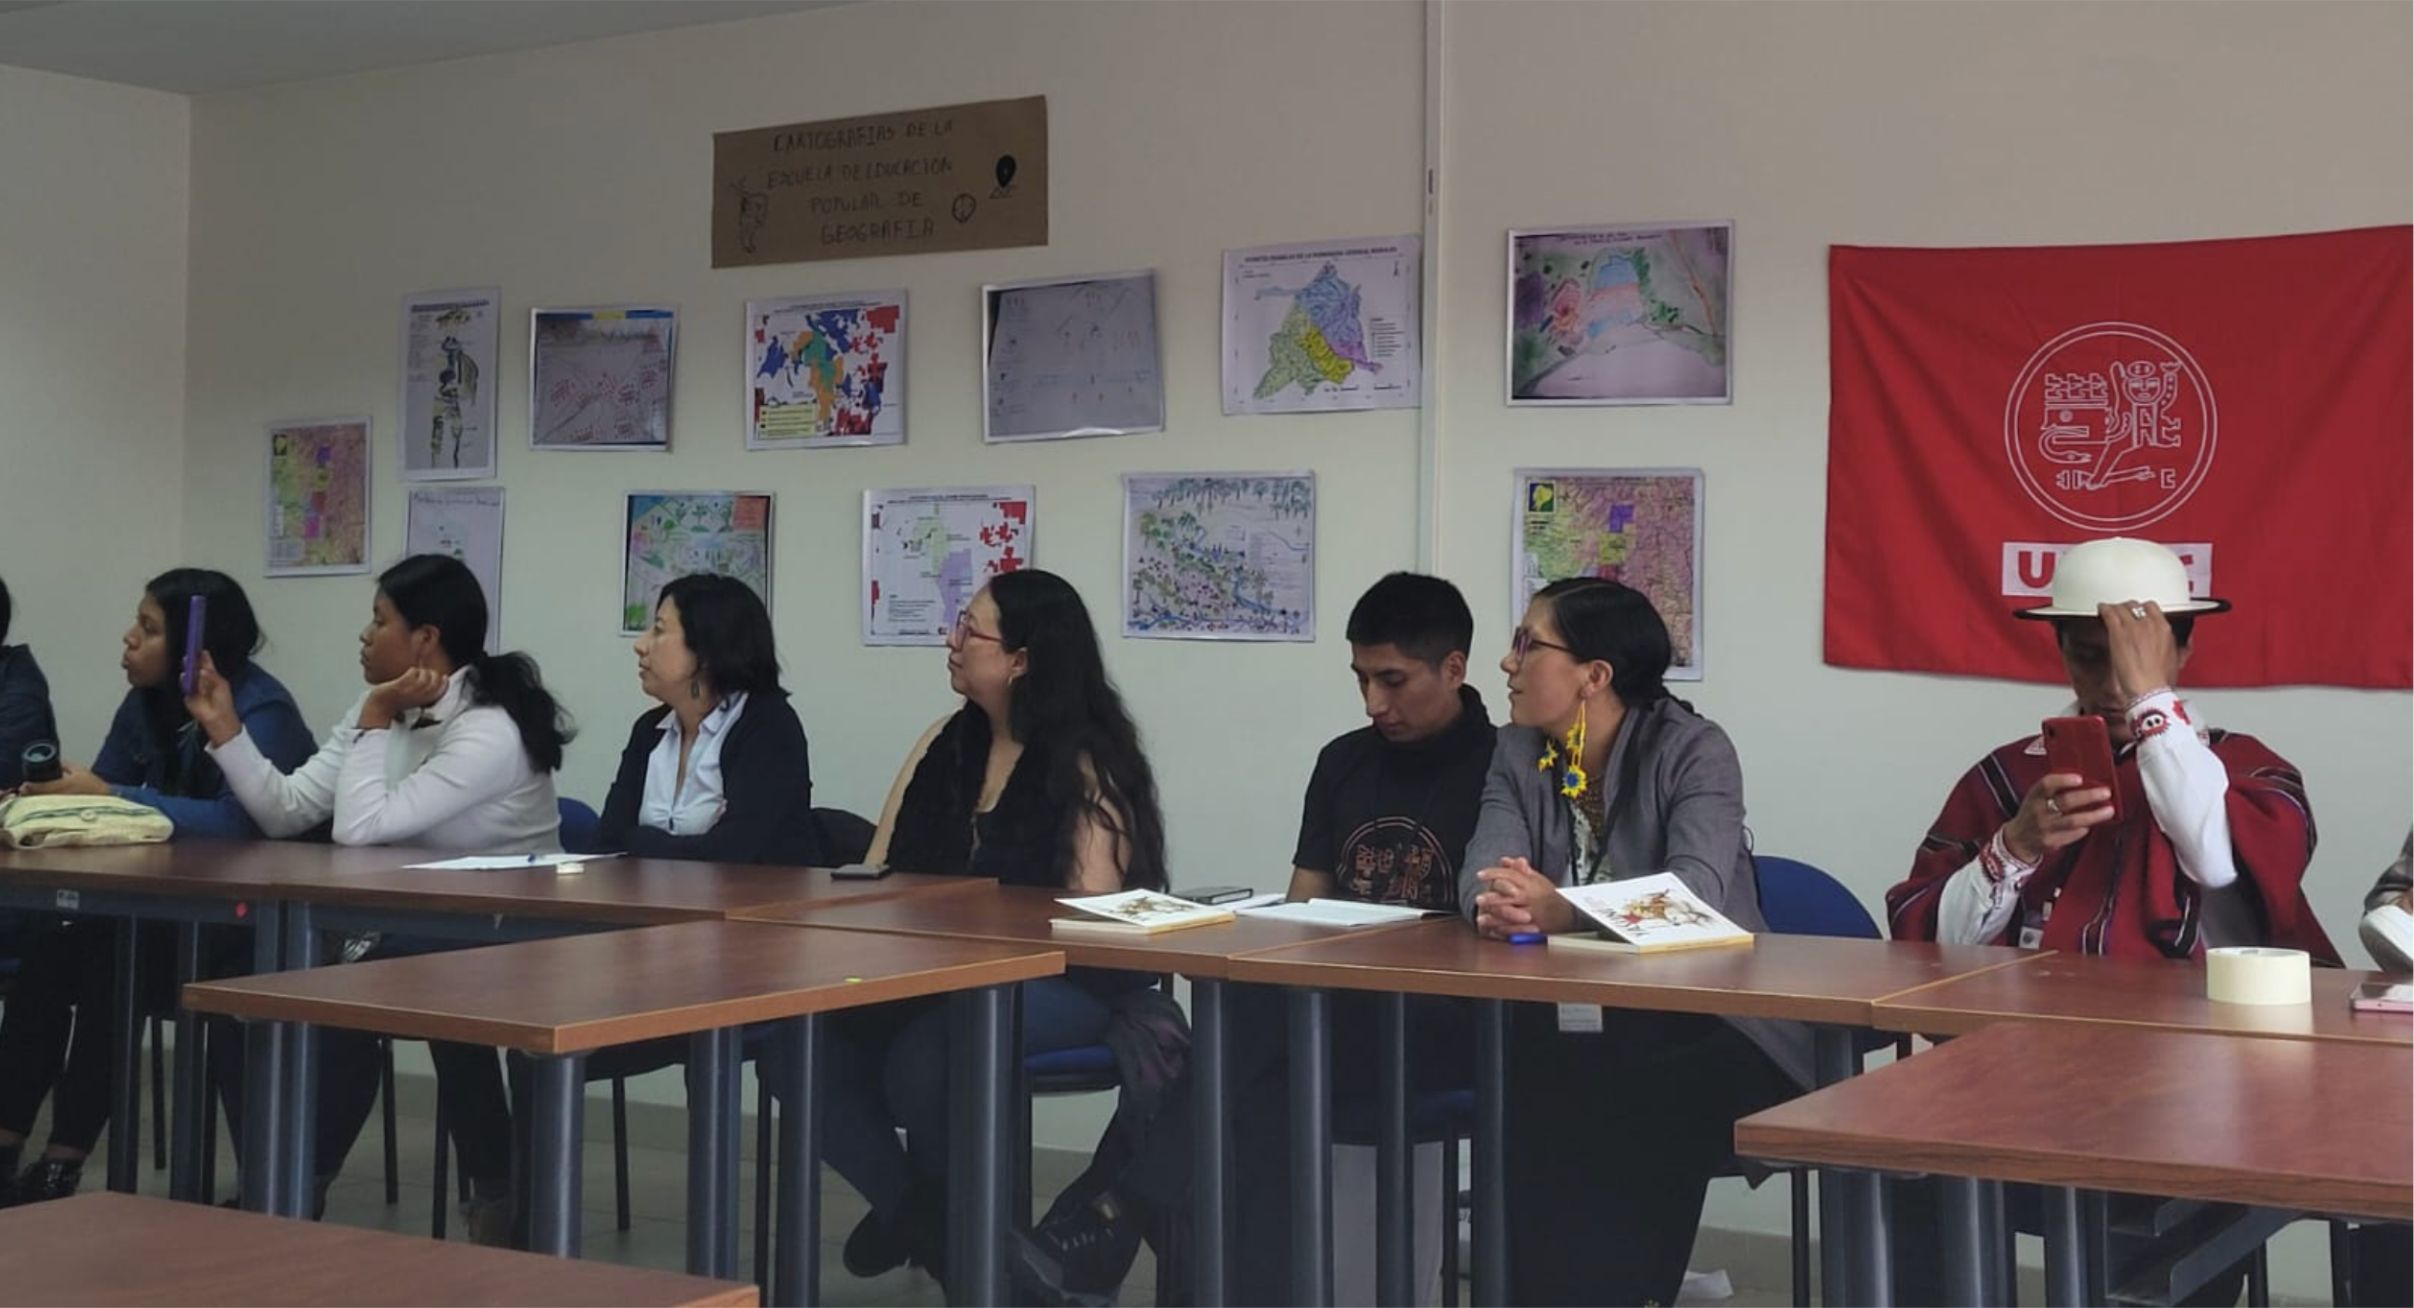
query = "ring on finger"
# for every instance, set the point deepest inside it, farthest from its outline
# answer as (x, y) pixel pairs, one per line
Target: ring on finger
(2055, 804)
(2137, 611)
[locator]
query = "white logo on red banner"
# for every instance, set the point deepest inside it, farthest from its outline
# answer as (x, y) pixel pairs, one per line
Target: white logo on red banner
(2111, 426)
(2028, 566)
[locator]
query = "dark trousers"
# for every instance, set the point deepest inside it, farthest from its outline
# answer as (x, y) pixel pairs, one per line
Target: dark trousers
(1613, 1139)
(58, 1030)
(469, 1088)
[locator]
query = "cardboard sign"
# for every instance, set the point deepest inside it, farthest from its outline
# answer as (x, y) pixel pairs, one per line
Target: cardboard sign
(959, 177)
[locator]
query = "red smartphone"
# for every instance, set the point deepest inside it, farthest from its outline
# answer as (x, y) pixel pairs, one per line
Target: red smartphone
(2083, 747)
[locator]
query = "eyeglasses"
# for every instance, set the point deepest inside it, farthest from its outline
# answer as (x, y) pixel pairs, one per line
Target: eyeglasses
(964, 631)
(1525, 642)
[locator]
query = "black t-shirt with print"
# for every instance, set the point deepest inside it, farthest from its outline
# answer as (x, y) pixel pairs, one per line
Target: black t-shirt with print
(1391, 822)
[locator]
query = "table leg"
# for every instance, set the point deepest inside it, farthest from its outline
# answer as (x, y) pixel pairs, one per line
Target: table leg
(981, 1175)
(1962, 1219)
(2002, 1254)
(558, 1130)
(125, 1059)
(299, 1186)
(1836, 1056)
(1211, 1139)
(189, 1125)
(712, 1170)
(796, 1271)
(2065, 1249)
(1873, 1261)
(264, 1109)
(1491, 1214)
(1311, 1147)
(1395, 1229)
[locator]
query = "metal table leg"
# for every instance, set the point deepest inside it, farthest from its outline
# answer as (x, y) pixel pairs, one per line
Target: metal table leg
(981, 1173)
(299, 1186)
(1962, 1218)
(1873, 1263)
(1491, 1214)
(1395, 1235)
(2065, 1249)
(796, 1271)
(264, 1109)
(189, 1125)
(2002, 1254)
(558, 1130)
(1836, 1056)
(125, 1058)
(712, 1072)
(1211, 1144)
(1311, 1148)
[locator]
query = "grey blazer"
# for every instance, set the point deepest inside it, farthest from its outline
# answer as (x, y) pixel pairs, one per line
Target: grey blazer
(1686, 817)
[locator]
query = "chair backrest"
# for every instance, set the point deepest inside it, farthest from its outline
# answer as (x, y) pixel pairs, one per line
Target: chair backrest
(1800, 900)
(578, 827)
(845, 837)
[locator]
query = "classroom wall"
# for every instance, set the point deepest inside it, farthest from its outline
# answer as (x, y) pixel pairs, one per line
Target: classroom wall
(580, 175)
(92, 332)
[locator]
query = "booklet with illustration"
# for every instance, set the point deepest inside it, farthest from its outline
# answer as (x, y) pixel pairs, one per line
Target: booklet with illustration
(1646, 915)
(1136, 912)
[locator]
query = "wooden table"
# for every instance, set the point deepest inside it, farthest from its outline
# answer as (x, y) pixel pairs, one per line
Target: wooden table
(2082, 1107)
(114, 1249)
(1829, 982)
(2129, 993)
(1205, 955)
(557, 999)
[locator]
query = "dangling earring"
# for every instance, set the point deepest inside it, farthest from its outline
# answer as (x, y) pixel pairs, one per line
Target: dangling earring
(1572, 781)
(695, 688)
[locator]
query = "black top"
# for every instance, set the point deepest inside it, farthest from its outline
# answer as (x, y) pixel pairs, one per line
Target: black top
(766, 785)
(1390, 822)
(24, 711)
(1018, 840)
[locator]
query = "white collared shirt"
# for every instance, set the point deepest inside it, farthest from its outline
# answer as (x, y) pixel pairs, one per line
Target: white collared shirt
(453, 775)
(692, 806)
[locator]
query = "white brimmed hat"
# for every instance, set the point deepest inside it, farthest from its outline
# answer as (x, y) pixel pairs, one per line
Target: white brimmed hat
(2118, 570)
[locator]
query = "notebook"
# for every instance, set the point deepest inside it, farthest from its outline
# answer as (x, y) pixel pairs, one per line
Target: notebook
(1648, 915)
(1135, 913)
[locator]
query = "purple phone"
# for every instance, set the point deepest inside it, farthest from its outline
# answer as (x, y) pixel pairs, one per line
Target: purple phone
(195, 614)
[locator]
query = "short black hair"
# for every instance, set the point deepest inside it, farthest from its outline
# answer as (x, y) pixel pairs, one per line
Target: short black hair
(6, 610)
(728, 630)
(1424, 616)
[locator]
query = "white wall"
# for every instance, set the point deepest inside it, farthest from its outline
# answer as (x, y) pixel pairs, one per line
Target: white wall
(580, 175)
(92, 297)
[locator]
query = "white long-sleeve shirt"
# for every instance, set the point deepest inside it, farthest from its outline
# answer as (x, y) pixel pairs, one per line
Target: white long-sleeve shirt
(2387, 929)
(451, 776)
(2187, 792)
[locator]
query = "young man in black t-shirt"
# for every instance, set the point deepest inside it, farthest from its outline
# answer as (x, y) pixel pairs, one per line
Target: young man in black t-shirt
(1388, 814)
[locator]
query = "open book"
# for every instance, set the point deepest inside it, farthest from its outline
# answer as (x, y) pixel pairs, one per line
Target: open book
(1136, 912)
(1339, 913)
(1646, 915)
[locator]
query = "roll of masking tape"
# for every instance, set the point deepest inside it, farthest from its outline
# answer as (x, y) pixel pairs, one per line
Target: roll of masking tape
(2251, 974)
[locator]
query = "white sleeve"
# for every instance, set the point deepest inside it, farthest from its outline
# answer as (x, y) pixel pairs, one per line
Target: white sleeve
(479, 759)
(2187, 787)
(2388, 932)
(1974, 908)
(286, 804)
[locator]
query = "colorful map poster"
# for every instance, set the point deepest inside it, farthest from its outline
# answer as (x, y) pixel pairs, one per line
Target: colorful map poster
(926, 553)
(1620, 315)
(1317, 328)
(466, 523)
(600, 379)
(825, 370)
(1071, 357)
(1220, 555)
(449, 340)
(1640, 526)
(318, 497)
(673, 533)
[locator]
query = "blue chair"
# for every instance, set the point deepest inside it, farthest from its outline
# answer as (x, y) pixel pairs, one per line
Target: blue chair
(578, 827)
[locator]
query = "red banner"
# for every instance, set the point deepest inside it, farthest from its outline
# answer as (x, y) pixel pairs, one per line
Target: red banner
(2245, 402)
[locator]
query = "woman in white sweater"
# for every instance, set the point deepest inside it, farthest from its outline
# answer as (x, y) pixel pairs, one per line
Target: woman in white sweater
(450, 748)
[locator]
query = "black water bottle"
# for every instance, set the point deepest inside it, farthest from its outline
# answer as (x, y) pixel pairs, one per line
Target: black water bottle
(41, 761)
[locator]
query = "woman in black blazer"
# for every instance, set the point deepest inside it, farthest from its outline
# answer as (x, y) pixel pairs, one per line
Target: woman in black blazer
(719, 772)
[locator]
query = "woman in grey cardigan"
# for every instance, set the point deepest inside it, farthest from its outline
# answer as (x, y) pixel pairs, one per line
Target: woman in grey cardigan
(1623, 1116)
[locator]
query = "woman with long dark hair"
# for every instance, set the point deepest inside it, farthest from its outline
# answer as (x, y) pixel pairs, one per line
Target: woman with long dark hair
(1037, 780)
(1605, 775)
(451, 748)
(60, 1022)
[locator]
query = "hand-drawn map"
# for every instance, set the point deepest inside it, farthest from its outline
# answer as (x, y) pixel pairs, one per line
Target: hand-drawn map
(926, 553)
(1642, 527)
(1605, 315)
(671, 534)
(825, 370)
(318, 497)
(600, 379)
(1324, 327)
(1220, 556)
(1071, 358)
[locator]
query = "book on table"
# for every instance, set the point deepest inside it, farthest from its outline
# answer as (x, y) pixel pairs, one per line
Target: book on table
(1340, 913)
(1647, 915)
(1135, 913)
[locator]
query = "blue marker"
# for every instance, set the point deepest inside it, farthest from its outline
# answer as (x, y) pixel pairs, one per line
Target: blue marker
(1525, 938)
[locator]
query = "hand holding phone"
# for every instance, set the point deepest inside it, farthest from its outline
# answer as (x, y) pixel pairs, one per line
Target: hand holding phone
(196, 617)
(2076, 795)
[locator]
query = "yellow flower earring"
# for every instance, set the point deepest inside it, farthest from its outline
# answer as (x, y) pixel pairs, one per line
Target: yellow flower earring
(1572, 780)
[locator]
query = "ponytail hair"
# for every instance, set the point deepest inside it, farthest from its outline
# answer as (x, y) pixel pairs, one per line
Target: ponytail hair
(1614, 623)
(436, 590)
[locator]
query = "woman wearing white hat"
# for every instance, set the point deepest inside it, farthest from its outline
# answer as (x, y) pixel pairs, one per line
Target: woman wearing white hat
(2213, 830)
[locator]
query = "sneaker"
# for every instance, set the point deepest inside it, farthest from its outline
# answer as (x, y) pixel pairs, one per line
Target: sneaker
(875, 1247)
(48, 1178)
(1080, 1256)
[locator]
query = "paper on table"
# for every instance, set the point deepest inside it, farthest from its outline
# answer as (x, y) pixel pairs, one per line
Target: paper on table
(1338, 912)
(489, 863)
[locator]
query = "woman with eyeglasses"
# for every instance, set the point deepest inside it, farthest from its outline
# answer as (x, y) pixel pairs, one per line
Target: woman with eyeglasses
(1602, 775)
(1037, 780)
